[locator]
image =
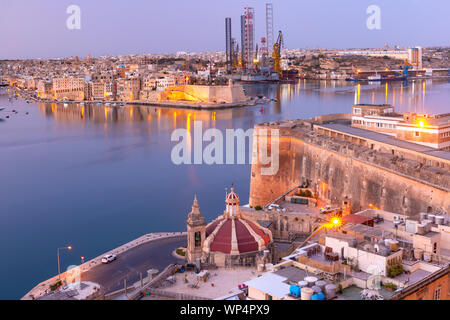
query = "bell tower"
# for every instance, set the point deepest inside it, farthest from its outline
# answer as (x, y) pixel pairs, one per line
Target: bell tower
(196, 232)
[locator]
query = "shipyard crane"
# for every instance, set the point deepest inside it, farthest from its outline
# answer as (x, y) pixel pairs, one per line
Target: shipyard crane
(406, 66)
(277, 53)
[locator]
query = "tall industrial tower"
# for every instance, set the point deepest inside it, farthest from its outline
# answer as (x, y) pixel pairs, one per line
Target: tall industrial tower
(242, 41)
(228, 44)
(269, 26)
(248, 36)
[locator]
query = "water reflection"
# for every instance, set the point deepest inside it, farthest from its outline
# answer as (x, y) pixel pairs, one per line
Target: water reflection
(300, 100)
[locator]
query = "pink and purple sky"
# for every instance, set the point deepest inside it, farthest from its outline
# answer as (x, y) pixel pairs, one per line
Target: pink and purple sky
(35, 29)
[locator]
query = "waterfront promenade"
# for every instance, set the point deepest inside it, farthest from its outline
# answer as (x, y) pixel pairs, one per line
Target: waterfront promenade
(135, 257)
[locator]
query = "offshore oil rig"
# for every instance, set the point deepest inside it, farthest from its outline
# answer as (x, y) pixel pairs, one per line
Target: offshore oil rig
(255, 63)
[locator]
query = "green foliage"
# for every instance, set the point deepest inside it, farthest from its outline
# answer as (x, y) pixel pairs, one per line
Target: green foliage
(395, 270)
(258, 208)
(180, 252)
(390, 286)
(56, 285)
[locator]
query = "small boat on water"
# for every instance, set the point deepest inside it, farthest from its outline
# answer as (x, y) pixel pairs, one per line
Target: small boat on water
(351, 79)
(376, 77)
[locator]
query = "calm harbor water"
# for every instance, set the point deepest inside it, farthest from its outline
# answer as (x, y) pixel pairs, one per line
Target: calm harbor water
(95, 177)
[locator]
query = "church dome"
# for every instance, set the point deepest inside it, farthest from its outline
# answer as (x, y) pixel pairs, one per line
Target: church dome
(232, 234)
(236, 236)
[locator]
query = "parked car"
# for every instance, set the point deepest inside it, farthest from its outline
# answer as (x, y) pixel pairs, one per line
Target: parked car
(109, 258)
(276, 207)
(325, 209)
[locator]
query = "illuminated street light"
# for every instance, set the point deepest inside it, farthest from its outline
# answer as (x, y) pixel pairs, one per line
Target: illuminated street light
(57, 252)
(334, 222)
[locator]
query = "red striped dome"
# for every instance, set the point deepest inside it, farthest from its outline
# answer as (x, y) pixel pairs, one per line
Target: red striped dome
(250, 237)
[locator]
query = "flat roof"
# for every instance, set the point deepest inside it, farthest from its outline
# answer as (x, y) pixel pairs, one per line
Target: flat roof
(383, 138)
(271, 284)
(292, 274)
(366, 230)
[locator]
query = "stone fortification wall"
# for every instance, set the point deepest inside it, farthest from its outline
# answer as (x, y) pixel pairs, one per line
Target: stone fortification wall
(211, 94)
(339, 170)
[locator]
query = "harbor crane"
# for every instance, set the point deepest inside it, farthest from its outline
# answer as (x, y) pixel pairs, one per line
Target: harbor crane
(406, 66)
(277, 53)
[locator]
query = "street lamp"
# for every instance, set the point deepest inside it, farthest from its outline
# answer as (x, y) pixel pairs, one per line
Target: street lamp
(334, 222)
(57, 252)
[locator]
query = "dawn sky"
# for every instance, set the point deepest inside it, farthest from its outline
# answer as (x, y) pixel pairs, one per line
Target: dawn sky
(34, 29)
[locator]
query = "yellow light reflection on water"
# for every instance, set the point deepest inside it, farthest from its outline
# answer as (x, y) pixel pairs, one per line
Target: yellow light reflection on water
(359, 92)
(386, 94)
(188, 123)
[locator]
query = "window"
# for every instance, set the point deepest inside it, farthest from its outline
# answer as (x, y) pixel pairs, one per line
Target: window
(437, 294)
(357, 110)
(435, 247)
(417, 134)
(198, 239)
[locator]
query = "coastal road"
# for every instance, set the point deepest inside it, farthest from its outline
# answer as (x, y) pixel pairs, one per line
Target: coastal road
(156, 254)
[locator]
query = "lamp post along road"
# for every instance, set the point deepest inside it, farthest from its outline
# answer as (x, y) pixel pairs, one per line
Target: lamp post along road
(59, 267)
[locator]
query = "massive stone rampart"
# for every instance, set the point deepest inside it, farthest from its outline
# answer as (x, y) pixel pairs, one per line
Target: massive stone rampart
(340, 170)
(209, 94)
